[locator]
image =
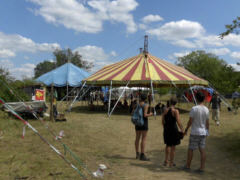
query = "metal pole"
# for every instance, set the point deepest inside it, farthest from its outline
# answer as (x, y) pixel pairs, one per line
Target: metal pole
(67, 92)
(70, 107)
(153, 99)
(118, 99)
(51, 104)
(192, 94)
(109, 99)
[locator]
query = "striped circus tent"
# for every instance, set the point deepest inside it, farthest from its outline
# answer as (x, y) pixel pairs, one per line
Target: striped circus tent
(141, 71)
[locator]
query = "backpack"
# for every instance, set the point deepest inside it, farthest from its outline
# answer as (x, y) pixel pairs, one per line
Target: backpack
(137, 117)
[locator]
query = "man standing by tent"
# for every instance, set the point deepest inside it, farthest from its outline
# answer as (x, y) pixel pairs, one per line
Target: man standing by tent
(216, 107)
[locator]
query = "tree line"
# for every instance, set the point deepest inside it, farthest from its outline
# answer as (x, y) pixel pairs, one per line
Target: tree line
(205, 65)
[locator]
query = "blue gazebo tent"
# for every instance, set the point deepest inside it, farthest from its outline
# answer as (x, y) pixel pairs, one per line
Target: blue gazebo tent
(66, 75)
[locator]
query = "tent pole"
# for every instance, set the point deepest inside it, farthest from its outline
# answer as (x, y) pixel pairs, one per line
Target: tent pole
(153, 99)
(67, 95)
(51, 104)
(67, 92)
(109, 98)
(118, 99)
(221, 97)
(178, 88)
(70, 107)
(192, 93)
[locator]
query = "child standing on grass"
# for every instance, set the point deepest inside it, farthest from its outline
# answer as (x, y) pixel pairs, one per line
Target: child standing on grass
(199, 123)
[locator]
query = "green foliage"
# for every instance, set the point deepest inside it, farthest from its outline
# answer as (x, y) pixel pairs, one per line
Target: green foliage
(61, 57)
(211, 68)
(43, 68)
(163, 90)
(9, 87)
(232, 28)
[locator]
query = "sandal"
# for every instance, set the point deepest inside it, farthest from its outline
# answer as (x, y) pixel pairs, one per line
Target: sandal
(172, 164)
(200, 171)
(165, 163)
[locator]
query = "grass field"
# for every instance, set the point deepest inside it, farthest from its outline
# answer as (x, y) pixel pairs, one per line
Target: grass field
(97, 139)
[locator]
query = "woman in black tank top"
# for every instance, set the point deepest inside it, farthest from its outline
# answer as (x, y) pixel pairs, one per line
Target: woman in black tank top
(170, 120)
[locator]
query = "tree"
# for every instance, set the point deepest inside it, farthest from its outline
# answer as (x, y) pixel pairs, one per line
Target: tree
(43, 68)
(211, 68)
(232, 28)
(61, 57)
(5, 75)
(7, 92)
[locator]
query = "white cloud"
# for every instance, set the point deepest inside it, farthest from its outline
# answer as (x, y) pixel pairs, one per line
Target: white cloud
(96, 55)
(232, 39)
(178, 30)
(142, 26)
(220, 51)
(26, 57)
(7, 64)
(214, 40)
(191, 34)
(235, 66)
(235, 55)
(12, 43)
(87, 16)
(151, 18)
(5, 53)
(180, 54)
(113, 53)
(184, 43)
(24, 71)
(209, 40)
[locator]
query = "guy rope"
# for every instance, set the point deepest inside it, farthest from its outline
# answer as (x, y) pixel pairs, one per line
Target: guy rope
(66, 148)
(41, 137)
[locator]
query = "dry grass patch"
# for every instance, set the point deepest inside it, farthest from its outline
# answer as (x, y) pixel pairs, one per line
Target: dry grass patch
(97, 139)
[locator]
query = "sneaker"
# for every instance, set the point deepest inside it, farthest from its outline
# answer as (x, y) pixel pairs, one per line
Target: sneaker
(137, 155)
(218, 123)
(143, 157)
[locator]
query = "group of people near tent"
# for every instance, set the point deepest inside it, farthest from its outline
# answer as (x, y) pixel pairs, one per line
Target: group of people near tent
(173, 130)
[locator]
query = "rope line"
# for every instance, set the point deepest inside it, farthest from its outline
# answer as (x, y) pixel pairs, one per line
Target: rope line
(41, 137)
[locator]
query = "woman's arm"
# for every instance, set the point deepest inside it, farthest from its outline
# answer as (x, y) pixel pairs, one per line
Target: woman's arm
(188, 125)
(146, 114)
(163, 115)
(178, 120)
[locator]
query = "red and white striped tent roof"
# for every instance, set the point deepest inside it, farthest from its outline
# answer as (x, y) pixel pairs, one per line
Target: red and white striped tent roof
(140, 70)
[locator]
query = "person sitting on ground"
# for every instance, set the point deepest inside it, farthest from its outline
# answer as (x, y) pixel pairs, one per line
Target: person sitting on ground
(141, 131)
(199, 121)
(171, 122)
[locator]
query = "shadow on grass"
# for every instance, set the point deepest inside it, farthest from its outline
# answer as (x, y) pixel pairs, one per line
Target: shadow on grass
(98, 110)
(156, 163)
(229, 143)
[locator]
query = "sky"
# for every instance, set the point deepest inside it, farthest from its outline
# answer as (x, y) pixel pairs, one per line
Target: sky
(107, 31)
